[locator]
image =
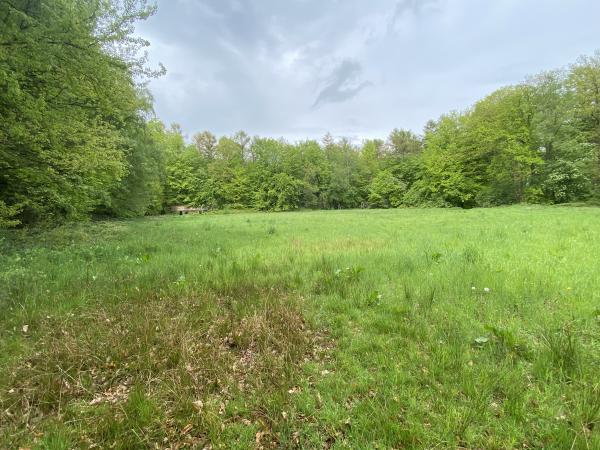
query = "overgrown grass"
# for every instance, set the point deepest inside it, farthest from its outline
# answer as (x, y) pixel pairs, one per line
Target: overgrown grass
(360, 329)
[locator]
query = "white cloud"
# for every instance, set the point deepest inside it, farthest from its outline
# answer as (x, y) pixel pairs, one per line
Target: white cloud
(263, 65)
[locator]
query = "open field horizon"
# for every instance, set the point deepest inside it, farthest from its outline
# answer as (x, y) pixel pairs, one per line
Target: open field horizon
(405, 328)
(459, 307)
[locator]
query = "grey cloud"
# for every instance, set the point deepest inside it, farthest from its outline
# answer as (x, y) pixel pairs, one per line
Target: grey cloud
(343, 84)
(414, 6)
(258, 65)
(418, 8)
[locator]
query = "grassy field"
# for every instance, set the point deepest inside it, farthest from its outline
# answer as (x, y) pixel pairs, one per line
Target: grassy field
(333, 329)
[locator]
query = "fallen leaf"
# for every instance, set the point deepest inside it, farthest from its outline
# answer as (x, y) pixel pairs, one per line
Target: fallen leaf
(198, 404)
(259, 436)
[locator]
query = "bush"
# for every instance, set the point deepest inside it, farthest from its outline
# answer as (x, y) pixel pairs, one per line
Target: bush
(7, 215)
(386, 190)
(281, 193)
(565, 182)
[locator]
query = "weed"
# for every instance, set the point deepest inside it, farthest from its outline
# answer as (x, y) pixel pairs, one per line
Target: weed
(563, 351)
(374, 298)
(339, 282)
(506, 342)
(471, 254)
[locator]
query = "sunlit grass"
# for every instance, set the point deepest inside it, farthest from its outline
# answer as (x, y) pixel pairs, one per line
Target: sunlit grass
(398, 328)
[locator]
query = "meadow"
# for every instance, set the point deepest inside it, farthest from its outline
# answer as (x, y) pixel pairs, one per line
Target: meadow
(406, 328)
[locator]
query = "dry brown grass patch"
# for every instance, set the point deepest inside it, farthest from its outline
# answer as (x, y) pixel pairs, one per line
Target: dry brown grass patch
(186, 359)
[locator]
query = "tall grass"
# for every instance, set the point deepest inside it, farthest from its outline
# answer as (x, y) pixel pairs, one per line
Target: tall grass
(362, 329)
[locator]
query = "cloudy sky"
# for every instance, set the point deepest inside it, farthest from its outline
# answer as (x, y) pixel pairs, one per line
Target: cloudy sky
(358, 68)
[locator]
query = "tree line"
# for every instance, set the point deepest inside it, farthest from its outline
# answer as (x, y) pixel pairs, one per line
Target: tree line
(78, 138)
(537, 141)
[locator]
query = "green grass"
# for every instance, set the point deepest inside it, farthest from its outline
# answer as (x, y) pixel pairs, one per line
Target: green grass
(332, 329)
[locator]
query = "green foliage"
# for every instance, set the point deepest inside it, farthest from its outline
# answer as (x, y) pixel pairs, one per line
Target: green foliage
(281, 193)
(7, 215)
(142, 190)
(69, 104)
(536, 141)
(565, 181)
(386, 190)
(402, 143)
(446, 176)
(342, 189)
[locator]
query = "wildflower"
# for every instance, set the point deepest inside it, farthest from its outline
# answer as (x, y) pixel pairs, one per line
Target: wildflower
(487, 290)
(473, 288)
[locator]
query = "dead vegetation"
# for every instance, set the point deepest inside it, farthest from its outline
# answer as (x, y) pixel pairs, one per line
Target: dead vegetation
(162, 372)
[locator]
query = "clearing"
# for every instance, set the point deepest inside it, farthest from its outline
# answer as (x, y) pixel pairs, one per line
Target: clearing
(409, 328)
